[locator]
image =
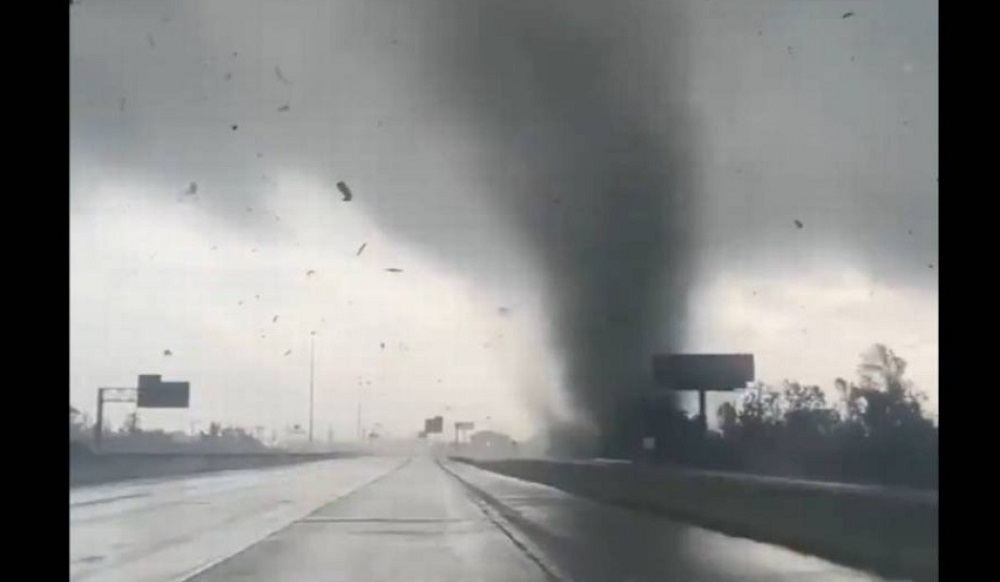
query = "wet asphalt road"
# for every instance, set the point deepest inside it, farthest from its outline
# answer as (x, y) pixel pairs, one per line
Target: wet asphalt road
(366, 520)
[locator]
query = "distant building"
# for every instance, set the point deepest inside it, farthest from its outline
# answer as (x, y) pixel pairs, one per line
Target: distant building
(490, 443)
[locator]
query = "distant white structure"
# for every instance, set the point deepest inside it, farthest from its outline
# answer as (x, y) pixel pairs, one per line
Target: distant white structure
(488, 443)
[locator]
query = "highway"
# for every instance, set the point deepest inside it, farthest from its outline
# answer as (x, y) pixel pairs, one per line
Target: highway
(397, 519)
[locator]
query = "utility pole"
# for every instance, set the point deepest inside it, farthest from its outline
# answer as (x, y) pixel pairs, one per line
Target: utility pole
(312, 380)
(360, 436)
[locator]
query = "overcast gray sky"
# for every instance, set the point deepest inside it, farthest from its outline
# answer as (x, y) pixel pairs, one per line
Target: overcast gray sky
(792, 113)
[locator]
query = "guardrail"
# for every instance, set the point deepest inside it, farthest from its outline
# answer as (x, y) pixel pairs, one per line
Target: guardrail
(888, 530)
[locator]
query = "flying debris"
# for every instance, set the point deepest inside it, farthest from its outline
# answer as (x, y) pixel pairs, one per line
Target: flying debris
(235, 127)
(503, 311)
(274, 319)
(361, 249)
(121, 104)
(345, 191)
(394, 270)
(284, 108)
(382, 344)
(288, 352)
(192, 189)
(281, 77)
(847, 15)
(228, 76)
(798, 224)
(167, 353)
(240, 302)
(150, 40)
(310, 273)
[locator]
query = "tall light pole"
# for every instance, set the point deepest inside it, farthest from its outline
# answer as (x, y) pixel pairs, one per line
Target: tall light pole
(312, 380)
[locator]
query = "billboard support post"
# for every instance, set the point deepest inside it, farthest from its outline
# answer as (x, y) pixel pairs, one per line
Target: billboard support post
(702, 413)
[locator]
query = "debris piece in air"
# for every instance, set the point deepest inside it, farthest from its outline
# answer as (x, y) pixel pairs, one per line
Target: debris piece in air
(394, 270)
(274, 319)
(260, 155)
(235, 127)
(361, 249)
(192, 189)
(228, 76)
(167, 353)
(382, 344)
(240, 302)
(256, 296)
(288, 352)
(284, 108)
(310, 273)
(788, 50)
(847, 15)
(121, 104)
(909, 232)
(253, 250)
(281, 77)
(503, 311)
(150, 40)
(345, 191)
(930, 265)
(798, 224)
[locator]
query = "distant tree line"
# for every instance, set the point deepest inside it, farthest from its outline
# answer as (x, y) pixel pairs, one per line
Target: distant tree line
(130, 437)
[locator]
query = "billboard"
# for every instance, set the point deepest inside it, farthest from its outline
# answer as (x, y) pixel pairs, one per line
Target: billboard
(155, 393)
(721, 372)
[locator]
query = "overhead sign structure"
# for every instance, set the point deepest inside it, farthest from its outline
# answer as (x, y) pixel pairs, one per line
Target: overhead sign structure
(434, 425)
(461, 427)
(703, 373)
(152, 392)
(155, 393)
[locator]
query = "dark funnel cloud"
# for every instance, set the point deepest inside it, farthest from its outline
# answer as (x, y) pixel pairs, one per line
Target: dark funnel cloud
(591, 161)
